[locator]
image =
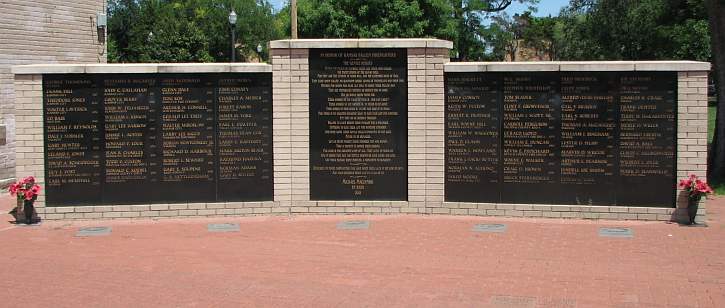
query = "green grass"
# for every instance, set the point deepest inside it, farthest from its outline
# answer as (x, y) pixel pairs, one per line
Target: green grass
(718, 187)
(710, 123)
(717, 184)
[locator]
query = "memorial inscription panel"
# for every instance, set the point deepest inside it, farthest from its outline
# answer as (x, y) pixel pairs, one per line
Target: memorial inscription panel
(187, 138)
(647, 147)
(589, 138)
(73, 139)
(145, 138)
(244, 138)
(358, 124)
(130, 124)
(473, 150)
(530, 134)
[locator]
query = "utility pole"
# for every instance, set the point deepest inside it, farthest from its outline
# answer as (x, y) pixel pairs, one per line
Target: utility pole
(293, 18)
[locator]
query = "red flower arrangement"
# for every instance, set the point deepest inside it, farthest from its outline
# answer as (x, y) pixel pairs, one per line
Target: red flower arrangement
(695, 187)
(25, 189)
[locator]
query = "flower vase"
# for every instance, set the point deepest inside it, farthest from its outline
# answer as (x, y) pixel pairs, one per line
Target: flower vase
(693, 204)
(19, 212)
(29, 210)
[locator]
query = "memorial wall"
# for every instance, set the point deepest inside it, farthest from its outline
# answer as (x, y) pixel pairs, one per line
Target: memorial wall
(363, 126)
(155, 138)
(580, 138)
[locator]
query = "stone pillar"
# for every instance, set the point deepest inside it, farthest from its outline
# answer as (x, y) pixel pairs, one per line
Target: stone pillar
(29, 133)
(416, 131)
(300, 124)
(435, 58)
(691, 134)
(281, 125)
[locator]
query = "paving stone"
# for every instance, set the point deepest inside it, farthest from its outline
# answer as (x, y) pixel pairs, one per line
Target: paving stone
(93, 231)
(616, 232)
(223, 227)
(494, 228)
(353, 225)
(507, 301)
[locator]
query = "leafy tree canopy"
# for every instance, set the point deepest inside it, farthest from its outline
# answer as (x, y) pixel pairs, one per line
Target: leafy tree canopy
(187, 30)
(636, 29)
(457, 20)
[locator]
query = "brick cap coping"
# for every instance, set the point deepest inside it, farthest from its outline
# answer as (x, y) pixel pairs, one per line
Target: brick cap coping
(543, 66)
(362, 43)
(141, 68)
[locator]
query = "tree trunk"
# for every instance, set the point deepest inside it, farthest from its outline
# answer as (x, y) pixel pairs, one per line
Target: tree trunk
(716, 9)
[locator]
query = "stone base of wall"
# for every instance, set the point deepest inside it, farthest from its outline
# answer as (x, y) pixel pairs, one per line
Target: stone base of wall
(366, 207)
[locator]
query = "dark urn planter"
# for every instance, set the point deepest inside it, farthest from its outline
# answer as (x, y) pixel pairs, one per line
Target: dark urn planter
(25, 212)
(29, 211)
(693, 204)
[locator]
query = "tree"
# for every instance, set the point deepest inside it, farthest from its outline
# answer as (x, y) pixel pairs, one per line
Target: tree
(716, 11)
(514, 27)
(469, 14)
(540, 34)
(496, 42)
(187, 30)
(632, 30)
(460, 21)
(358, 19)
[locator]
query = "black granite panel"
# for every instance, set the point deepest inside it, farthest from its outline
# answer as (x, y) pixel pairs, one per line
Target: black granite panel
(244, 138)
(587, 138)
(150, 138)
(530, 138)
(647, 138)
(473, 150)
(73, 128)
(358, 124)
(130, 116)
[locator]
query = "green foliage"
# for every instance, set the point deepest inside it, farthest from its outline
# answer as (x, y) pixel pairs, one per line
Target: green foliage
(360, 18)
(460, 21)
(631, 30)
(497, 41)
(198, 30)
(540, 34)
(717, 184)
(187, 30)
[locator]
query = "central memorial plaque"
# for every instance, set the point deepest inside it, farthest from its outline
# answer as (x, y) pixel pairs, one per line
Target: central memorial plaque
(358, 124)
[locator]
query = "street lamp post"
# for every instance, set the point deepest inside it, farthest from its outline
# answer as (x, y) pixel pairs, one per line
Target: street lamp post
(233, 23)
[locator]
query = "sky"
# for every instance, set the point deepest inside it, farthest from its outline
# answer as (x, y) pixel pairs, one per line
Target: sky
(546, 7)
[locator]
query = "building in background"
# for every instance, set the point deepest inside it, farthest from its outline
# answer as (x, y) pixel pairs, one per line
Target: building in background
(519, 51)
(42, 31)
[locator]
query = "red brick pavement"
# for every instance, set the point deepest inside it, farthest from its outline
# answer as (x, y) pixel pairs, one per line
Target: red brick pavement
(408, 261)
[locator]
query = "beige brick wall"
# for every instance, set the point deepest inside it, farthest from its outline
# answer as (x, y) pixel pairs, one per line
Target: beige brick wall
(416, 130)
(42, 31)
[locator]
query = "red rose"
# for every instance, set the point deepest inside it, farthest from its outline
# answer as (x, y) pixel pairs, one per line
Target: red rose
(29, 195)
(13, 189)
